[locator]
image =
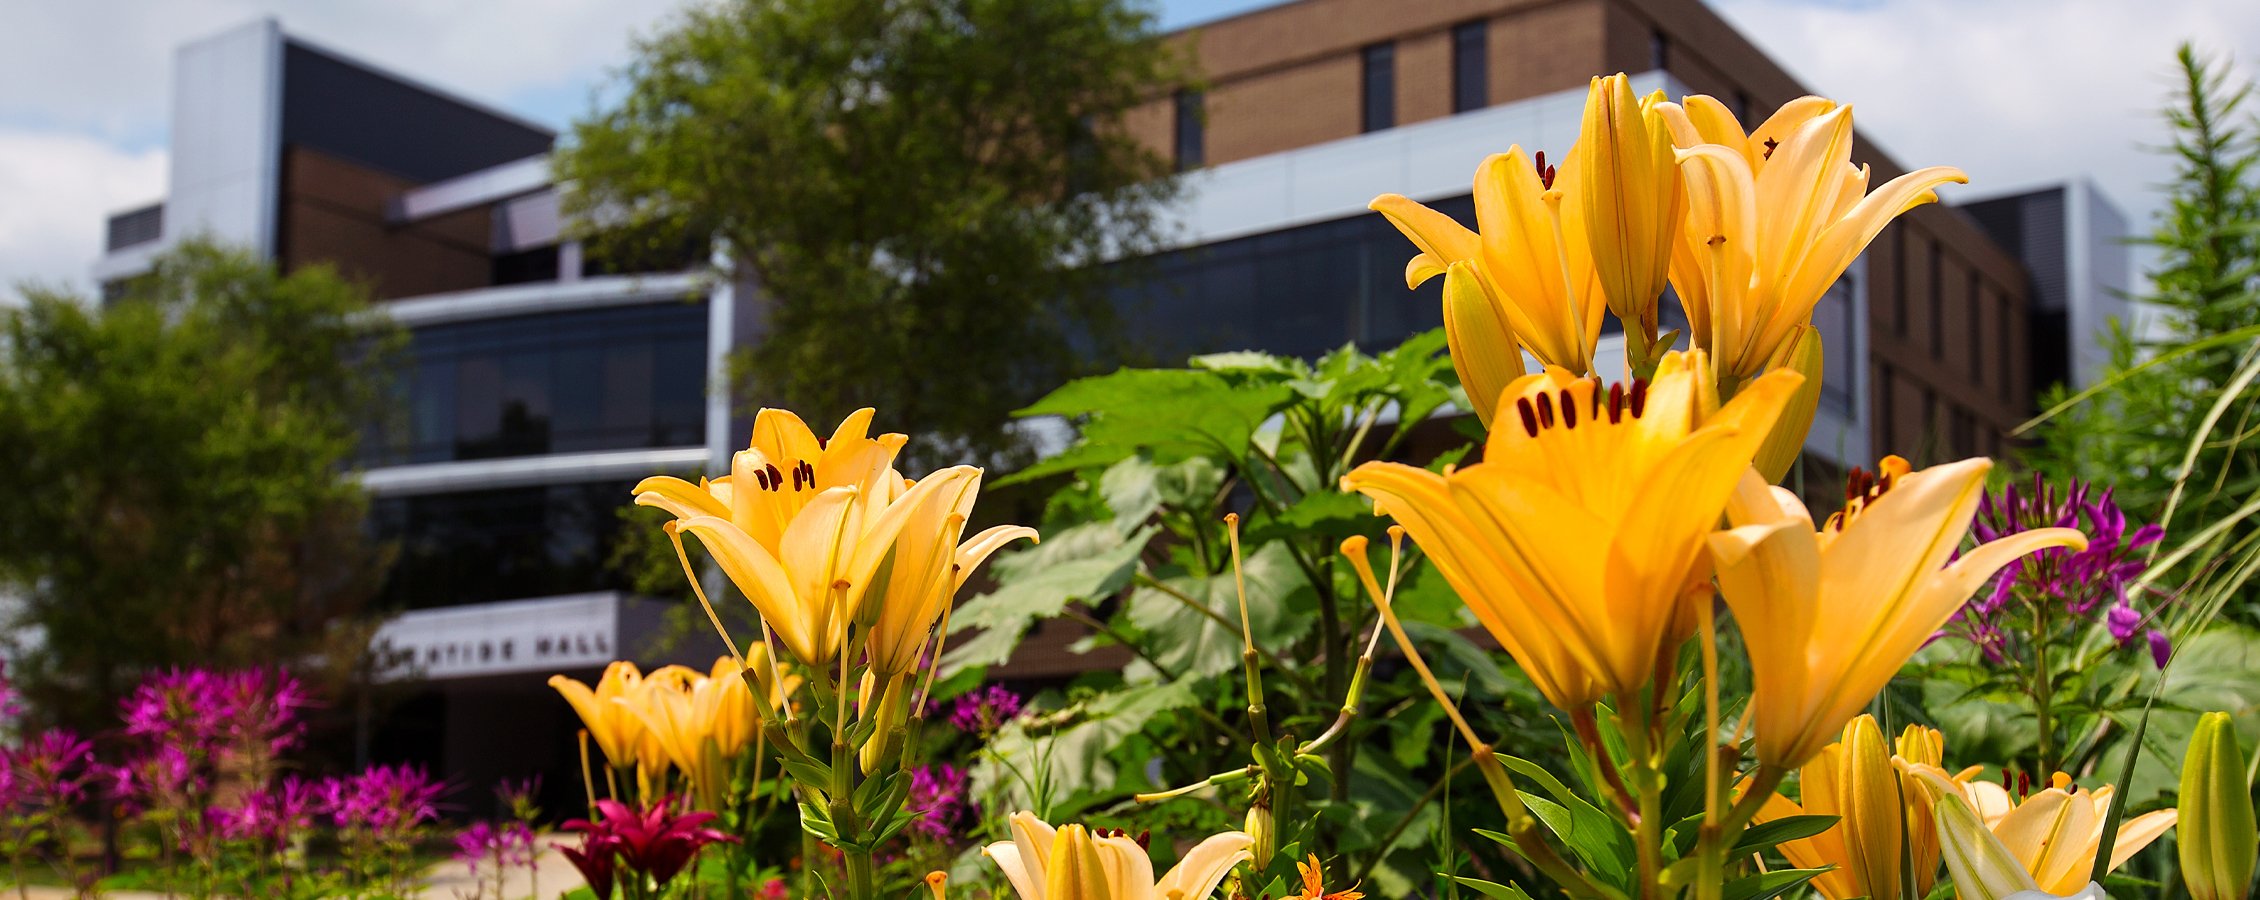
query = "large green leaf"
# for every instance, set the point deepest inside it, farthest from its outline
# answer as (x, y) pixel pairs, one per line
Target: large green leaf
(1190, 645)
(1136, 487)
(1003, 616)
(1170, 413)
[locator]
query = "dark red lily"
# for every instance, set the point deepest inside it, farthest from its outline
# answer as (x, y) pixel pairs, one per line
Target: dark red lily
(654, 843)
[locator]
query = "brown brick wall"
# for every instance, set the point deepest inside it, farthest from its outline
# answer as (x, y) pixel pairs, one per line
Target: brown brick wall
(1424, 77)
(333, 211)
(1289, 76)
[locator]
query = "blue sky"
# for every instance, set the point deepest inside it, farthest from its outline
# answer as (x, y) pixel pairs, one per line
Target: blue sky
(2017, 92)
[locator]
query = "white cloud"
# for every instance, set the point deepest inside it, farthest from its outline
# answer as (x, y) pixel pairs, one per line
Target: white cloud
(2016, 92)
(105, 66)
(85, 89)
(58, 189)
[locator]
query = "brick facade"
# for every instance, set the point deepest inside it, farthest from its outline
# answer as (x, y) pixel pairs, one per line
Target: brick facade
(1948, 338)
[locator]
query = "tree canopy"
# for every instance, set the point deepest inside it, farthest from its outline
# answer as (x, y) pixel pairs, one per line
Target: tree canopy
(924, 192)
(176, 474)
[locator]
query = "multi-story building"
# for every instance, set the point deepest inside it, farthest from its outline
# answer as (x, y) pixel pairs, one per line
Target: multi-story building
(542, 382)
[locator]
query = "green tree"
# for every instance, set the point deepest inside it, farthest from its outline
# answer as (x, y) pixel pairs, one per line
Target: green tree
(176, 475)
(2172, 421)
(925, 193)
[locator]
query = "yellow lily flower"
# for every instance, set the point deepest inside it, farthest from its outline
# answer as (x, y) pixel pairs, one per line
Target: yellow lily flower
(618, 733)
(782, 470)
(1530, 255)
(1774, 217)
(1630, 192)
(1075, 863)
(1574, 538)
(812, 584)
(2051, 837)
(1871, 788)
(1830, 614)
(929, 567)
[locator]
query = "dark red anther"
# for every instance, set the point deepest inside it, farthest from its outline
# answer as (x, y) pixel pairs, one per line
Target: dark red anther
(1639, 396)
(761, 478)
(1569, 409)
(776, 478)
(1770, 145)
(1616, 403)
(1546, 410)
(1545, 172)
(2024, 785)
(1529, 416)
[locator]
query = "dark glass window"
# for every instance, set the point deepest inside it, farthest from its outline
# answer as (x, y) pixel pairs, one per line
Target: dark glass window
(1380, 91)
(537, 264)
(1937, 300)
(1471, 66)
(601, 379)
(1301, 291)
(1840, 369)
(1192, 140)
(1739, 104)
(508, 544)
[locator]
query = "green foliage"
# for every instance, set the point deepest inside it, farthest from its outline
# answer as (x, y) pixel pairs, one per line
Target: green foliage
(1137, 551)
(2171, 423)
(916, 188)
(177, 487)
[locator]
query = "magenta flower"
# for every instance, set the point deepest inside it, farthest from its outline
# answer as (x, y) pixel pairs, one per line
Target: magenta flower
(272, 815)
(482, 844)
(387, 801)
(983, 711)
(47, 773)
(940, 801)
(654, 844)
(2058, 585)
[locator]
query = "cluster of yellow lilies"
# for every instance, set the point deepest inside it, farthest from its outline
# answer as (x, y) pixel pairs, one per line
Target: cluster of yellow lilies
(1603, 519)
(1607, 513)
(1888, 797)
(697, 726)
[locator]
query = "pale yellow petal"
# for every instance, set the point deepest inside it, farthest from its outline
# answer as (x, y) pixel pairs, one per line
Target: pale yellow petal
(1197, 875)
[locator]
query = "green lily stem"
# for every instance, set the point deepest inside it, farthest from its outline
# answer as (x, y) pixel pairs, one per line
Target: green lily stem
(2044, 697)
(1716, 841)
(1524, 828)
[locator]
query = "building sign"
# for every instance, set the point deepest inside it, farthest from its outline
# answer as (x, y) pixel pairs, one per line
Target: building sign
(545, 635)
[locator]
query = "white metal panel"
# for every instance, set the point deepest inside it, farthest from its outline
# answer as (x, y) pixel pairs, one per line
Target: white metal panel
(520, 471)
(544, 297)
(226, 138)
(502, 182)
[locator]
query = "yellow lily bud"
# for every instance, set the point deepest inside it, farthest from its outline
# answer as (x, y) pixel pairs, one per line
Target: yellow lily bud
(1484, 352)
(1801, 353)
(1981, 867)
(1265, 832)
(2218, 836)
(893, 709)
(1628, 183)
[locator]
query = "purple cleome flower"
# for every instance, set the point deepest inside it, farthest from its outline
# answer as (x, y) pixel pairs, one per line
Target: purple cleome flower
(384, 800)
(508, 845)
(983, 711)
(2076, 584)
(941, 801)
